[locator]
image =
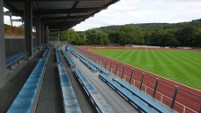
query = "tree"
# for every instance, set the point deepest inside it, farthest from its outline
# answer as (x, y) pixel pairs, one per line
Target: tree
(154, 38)
(114, 37)
(71, 37)
(98, 37)
(129, 34)
(186, 35)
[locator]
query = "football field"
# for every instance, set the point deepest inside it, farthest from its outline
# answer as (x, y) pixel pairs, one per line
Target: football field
(178, 65)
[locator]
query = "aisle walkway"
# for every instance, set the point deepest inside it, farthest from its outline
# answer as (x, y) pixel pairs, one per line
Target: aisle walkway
(50, 98)
(85, 104)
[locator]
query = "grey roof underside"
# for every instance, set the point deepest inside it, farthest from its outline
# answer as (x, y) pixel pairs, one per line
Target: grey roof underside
(60, 14)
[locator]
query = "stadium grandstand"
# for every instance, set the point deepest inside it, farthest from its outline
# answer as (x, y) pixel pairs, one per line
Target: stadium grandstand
(40, 74)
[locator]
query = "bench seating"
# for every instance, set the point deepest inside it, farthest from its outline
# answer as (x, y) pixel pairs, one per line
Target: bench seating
(78, 54)
(58, 57)
(49, 46)
(69, 60)
(75, 54)
(46, 53)
(69, 99)
(35, 47)
(11, 60)
(96, 99)
(143, 97)
(141, 105)
(91, 67)
(24, 100)
(101, 69)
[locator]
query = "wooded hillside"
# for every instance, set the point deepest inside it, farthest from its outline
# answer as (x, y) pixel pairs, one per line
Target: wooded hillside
(154, 34)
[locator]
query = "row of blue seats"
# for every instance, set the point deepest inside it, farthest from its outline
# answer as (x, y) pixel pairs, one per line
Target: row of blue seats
(75, 54)
(35, 47)
(69, 99)
(49, 46)
(145, 103)
(84, 60)
(11, 60)
(126, 94)
(46, 53)
(95, 97)
(91, 67)
(24, 100)
(150, 101)
(69, 60)
(101, 69)
(78, 55)
(58, 57)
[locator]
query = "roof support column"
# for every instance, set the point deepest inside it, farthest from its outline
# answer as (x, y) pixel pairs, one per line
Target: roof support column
(2, 46)
(42, 32)
(28, 27)
(38, 29)
(46, 34)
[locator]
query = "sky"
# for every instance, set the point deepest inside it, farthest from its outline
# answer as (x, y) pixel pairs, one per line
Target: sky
(141, 11)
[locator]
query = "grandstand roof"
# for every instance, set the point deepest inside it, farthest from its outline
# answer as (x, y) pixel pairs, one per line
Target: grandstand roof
(60, 14)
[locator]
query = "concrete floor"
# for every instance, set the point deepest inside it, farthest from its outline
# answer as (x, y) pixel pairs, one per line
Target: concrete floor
(50, 98)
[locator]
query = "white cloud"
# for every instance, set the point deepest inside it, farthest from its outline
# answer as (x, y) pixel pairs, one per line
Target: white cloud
(144, 11)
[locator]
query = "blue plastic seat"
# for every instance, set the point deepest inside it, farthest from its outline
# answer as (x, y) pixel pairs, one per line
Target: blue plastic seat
(92, 65)
(101, 69)
(69, 99)
(143, 97)
(24, 100)
(69, 60)
(58, 57)
(35, 47)
(11, 60)
(46, 53)
(93, 94)
(133, 99)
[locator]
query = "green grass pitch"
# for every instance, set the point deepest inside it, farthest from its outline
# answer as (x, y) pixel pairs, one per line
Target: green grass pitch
(177, 65)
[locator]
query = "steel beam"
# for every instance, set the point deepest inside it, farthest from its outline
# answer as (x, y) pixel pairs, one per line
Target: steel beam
(28, 27)
(63, 18)
(44, 0)
(38, 30)
(65, 11)
(46, 34)
(2, 47)
(42, 32)
(61, 11)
